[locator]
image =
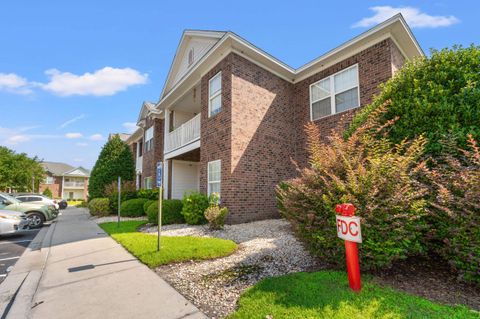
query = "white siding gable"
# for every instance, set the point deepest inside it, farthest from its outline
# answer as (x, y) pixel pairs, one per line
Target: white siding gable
(200, 47)
(76, 172)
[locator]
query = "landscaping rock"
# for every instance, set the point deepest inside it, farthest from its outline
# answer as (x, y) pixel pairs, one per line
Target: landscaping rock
(266, 248)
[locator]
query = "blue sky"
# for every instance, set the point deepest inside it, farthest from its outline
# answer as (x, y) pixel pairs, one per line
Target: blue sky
(72, 72)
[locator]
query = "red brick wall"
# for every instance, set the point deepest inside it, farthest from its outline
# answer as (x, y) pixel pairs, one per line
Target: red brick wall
(154, 155)
(374, 67)
(216, 131)
(262, 140)
(397, 57)
(55, 187)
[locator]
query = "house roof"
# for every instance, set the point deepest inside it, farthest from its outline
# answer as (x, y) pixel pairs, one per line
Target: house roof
(394, 28)
(63, 169)
(122, 136)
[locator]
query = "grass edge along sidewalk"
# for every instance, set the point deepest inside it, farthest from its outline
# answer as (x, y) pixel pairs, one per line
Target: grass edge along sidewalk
(326, 294)
(174, 249)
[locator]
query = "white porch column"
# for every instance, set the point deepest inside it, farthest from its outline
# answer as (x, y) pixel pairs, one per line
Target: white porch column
(165, 179)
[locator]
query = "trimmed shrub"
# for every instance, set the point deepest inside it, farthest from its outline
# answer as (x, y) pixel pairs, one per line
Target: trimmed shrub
(216, 216)
(133, 207)
(454, 231)
(99, 207)
(129, 191)
(115, 159)
(171, 212)
(194, 205)
(151, 194)
(432, 96)
(147, 204)
(370, 173)
(47, 192)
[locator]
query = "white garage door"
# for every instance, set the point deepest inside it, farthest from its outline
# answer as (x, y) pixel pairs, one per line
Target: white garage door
(185, 178)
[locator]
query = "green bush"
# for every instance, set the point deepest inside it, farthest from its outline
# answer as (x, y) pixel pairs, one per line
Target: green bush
(194, 205)
(99, 207)
(373, 175)
(133, 207)
(147, 204)
(171, 212)
(115, 159)
(148, 193)
(432, 96)
(128, 190)
(47, 192)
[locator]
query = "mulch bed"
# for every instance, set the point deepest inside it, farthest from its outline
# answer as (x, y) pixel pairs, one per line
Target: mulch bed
(431, 278)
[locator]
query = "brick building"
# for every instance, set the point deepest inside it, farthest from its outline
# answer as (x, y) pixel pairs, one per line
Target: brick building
(65, 181)
(230, 117)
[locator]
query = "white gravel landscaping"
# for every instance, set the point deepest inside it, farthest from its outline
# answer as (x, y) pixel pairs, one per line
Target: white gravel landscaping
(266, 248)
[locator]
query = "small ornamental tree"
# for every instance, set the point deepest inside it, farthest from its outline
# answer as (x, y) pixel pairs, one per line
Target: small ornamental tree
(47, 192)
(115, 159)
(432, 96)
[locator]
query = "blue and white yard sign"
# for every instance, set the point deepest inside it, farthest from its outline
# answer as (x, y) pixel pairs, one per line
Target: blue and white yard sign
(159, 174)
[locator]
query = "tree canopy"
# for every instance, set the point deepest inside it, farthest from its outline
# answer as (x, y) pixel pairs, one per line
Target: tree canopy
(115, 159)
(17, 171)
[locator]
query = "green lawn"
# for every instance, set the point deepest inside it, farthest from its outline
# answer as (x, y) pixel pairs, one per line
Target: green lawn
(326, 294)
(174, 249)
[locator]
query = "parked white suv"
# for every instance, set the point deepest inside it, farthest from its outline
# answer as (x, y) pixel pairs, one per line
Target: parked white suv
(37, 199)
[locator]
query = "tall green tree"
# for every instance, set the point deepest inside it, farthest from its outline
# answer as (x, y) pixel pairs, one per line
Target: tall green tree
(18, 171)
(115, 159)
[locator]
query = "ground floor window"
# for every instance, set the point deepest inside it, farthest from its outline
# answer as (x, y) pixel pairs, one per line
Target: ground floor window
(214, 177)
(148, 182)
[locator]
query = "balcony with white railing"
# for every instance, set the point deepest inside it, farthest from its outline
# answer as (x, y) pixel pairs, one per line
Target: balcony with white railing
(187, 133)
(74, 184)
(139, 164)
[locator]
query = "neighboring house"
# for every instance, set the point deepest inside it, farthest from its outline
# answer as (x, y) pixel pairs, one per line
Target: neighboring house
(65, 181)
(231, 117)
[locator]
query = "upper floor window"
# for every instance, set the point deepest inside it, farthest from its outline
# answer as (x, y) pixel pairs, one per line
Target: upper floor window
(215, 94)
(191, 57)
(334, 94)
(148, 182)
(49, 180)
(149, 139)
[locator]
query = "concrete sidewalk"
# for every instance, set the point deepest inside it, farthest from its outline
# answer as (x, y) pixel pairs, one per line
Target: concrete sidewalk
(88, 275)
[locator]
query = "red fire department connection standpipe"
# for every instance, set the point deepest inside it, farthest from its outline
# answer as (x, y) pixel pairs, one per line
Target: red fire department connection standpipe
(351, 251)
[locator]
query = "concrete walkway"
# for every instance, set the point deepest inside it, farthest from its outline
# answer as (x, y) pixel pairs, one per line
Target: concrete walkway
(88, 275)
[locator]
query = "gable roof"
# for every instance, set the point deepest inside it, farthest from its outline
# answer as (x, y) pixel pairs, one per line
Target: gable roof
(147, 109)
(62, 169)
(395, 28)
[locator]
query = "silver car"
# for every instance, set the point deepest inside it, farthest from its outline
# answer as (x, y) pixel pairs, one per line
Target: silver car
(12, 222)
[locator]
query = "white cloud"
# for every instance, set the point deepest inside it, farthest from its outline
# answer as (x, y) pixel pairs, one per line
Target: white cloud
(71, 121)
(73, 135)
(414, 17)
(15, 139)
(106, 81)
(82, 144)
(13, 83)
(130, 126)
(96, 137)
(14, 136)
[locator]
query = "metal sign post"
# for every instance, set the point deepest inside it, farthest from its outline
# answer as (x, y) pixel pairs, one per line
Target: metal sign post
(160, 199)
(119, 199)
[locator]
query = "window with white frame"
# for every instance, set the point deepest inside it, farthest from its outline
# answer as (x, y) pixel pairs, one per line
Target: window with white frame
(148, 182)
(215, 94)
(149, 139)
(214, 177)
(49, 180)
(334, 94)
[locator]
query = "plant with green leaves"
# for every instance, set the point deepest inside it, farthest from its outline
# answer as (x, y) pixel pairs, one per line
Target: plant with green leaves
(115, 159)
(171, 212)
(214, 214)
(432, 96)
(99, 207)
(377, 177)
(194, 205)
(128, 190)
(47, 192)
(133, 207)
(17, 171)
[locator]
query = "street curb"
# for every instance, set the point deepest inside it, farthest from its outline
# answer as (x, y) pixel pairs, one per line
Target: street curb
(18, 289)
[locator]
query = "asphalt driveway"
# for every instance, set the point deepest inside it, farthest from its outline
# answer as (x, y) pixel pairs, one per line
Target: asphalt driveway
(11, 248)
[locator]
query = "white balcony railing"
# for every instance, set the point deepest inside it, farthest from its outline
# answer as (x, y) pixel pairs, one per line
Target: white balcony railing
(185, 134)
(139, 164)
(74, 184)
